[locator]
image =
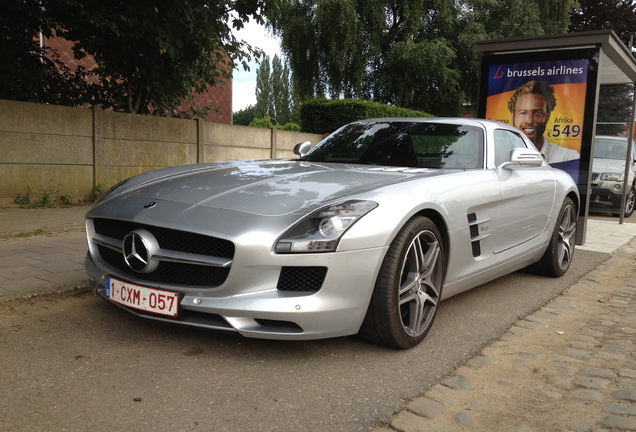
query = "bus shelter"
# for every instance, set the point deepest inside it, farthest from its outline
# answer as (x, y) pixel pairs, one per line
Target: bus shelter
(567, 71)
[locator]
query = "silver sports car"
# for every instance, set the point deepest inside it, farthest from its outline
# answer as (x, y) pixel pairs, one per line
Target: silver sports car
(364, 234)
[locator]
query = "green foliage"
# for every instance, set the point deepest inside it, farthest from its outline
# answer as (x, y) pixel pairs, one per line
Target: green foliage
(614, 109)
(617, 15)
(245, 116)
(35, 232)
(290, 127)
(263, 89)
(273, 90)
(23, 199)
(151, 55)
(65, 200)
(266, 122)
(325, 116)
(417, 54)
(98, 191)
(46, 199)
(429, 66)
(28, 72)
(281, 91)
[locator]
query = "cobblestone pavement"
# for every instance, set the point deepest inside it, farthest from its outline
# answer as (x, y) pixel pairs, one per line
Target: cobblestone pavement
(570, 366)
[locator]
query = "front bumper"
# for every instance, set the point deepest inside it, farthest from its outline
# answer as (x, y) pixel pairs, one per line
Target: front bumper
(608, 193)
(250, 303)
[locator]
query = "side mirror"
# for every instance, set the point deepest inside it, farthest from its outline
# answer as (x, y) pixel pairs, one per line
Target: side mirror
(524, 157)
(302, 148)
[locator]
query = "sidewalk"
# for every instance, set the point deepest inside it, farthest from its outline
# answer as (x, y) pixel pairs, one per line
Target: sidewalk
(37, 264)
(571, 366)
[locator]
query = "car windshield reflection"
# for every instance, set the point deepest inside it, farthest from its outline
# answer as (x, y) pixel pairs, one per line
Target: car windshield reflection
(403, 144)
(615, 149)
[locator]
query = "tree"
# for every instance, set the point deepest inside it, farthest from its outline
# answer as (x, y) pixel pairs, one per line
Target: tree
(27, 73)
(150, 55)
(273, 94)
(245, 116)
(617, 15)
(263, 89)
(419, 54)
(281, 94)
(614, 109)
(499, 19)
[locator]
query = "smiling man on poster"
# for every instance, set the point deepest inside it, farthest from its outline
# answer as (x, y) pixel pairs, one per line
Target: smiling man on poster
(530, 107)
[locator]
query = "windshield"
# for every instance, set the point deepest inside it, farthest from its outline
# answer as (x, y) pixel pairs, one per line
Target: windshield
(403, 144)
(610, 149)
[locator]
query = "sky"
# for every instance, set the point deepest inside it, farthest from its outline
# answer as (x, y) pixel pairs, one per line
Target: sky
(244, 83)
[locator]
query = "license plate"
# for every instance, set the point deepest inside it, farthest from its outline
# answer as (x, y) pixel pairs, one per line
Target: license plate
(143, 298)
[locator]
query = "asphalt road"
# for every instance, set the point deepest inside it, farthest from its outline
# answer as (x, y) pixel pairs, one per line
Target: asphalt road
(78, 363)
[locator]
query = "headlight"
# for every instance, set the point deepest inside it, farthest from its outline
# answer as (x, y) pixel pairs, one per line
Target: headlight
(612, 176)
(321, 230)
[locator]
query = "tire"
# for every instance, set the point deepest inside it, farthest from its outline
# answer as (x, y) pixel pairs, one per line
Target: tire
(408, 289)
(558, 256)
(630, 200)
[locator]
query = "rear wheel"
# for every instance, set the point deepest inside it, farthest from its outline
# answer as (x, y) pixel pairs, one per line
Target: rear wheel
(558, 256)
(409, 287)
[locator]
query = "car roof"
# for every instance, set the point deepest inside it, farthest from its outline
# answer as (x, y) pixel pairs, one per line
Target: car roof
(469, 121)
(610, 137)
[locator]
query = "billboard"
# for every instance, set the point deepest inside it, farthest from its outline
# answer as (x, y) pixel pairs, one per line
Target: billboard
(546, 101)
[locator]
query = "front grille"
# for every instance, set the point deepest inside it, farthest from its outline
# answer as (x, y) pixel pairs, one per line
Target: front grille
(301, 279)
(176, 240)
(169, 272)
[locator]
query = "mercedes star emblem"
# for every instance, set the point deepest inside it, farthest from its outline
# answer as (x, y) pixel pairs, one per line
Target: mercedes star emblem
(138, 247)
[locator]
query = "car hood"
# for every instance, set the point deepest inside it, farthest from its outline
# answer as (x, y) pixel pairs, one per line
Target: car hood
(265, 187)
(601, 165)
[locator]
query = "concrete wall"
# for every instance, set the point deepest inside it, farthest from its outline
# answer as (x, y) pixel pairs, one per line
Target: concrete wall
(69, 151)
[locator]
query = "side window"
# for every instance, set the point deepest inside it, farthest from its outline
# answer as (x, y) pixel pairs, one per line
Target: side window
(505, 141)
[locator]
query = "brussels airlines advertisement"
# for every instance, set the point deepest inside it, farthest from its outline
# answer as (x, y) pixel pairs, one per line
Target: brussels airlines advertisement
(546, 101)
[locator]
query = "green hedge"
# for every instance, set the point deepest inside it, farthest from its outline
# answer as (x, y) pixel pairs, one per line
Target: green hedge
(325, 116)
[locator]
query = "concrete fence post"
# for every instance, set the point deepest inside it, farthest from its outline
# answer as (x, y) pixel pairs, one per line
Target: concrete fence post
(273, 143)
(200, 125)
(98, 145)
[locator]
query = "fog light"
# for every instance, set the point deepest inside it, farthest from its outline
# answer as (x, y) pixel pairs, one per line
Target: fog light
(617, 187)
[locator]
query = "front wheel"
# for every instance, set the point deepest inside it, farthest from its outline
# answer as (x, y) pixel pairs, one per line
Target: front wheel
(630, 200)
(408, 290)
(558, 256)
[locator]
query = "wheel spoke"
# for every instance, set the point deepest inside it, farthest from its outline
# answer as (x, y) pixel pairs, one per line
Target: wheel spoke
(421, 283)
(567, 231)
(631, 199)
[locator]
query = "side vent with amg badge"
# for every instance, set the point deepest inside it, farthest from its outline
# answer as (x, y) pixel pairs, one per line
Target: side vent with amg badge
(478, 232)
